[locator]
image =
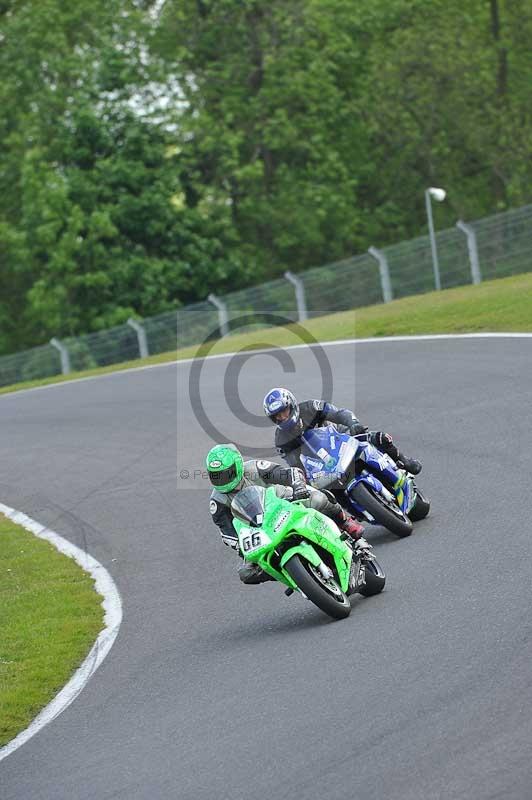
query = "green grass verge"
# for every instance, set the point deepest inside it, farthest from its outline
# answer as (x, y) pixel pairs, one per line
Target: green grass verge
(499, 305)
(50, 617)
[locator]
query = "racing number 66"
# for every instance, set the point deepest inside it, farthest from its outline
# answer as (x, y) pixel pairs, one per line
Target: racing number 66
(251, 542)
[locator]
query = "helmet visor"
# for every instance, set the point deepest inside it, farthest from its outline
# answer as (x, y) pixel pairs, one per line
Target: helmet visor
(223, 476)
(282, 415)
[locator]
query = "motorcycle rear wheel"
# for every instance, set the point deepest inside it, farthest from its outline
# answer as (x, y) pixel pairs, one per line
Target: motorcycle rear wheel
(336, 604)
(391, 518)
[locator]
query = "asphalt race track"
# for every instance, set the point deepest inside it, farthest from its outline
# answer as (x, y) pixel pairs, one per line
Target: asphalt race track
(219, 691)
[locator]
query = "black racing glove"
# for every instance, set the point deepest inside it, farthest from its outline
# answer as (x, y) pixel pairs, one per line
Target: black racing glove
(381, 439)
(300, 489)
(356, 428)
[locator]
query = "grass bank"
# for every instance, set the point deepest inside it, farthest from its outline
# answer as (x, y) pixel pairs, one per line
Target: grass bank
(500, 305)
(50, 617)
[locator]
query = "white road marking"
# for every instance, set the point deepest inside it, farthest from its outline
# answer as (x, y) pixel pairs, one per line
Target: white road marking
(176, 363)
(112, 605)
(104, 583)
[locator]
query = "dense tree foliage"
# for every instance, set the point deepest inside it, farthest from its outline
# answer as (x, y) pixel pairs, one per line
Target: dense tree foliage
(94, 226)
(155, 151)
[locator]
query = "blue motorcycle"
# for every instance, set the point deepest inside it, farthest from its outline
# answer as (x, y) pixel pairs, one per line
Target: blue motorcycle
(368, 483)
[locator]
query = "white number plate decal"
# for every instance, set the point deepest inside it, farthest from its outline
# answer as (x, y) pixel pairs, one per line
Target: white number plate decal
(251, 539)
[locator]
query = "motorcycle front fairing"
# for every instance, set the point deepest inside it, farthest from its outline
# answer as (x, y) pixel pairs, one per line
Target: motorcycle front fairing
(263, 521)
(327, 457)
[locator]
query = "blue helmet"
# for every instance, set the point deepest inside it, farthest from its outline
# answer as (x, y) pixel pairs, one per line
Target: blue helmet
(281, 407)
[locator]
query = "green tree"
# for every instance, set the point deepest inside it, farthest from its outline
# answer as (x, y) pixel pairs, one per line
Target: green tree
(93, 225)
(269, 125)
(151, 154)
(446, 103)
(107, 235)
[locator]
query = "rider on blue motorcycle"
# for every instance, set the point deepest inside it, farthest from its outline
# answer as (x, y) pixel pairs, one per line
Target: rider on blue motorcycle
(229, 473)
(293, 418)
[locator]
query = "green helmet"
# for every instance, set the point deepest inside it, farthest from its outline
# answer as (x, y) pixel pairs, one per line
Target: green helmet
(225, 466)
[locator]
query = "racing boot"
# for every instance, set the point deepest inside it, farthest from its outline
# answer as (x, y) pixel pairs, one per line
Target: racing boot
(251, 573)
(346, 523)
(363, 549)
(410, 464)
(385, 443)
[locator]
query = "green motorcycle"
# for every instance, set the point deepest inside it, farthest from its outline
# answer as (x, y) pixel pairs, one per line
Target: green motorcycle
(303, 549)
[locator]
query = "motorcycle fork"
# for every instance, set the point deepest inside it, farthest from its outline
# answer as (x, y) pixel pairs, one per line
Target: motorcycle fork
(357, 577)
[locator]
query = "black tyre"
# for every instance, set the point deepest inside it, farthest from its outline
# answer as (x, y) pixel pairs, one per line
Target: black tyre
(375, 579)
(387, 514)
(327, 595)
(420, 509)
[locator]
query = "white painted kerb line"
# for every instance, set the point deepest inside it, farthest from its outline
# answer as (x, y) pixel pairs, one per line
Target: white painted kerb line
(112, 606)
(182, 362)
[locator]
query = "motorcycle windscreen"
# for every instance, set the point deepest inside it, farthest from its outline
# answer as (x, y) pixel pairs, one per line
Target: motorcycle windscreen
(336, 450)
(320, 442)
(248, 505)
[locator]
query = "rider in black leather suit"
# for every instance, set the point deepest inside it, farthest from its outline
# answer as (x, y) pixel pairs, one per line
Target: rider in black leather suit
(293, 418)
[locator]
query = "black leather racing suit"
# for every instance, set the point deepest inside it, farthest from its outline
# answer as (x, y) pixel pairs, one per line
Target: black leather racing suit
(287, 480)
(314, 413)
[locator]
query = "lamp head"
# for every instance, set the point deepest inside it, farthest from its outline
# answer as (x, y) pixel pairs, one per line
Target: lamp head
(437, 194)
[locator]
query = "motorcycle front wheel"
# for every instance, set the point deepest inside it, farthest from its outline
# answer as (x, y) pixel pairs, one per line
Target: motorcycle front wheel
(327, 595)
(375, 579)
(421, 507)
(387, 514)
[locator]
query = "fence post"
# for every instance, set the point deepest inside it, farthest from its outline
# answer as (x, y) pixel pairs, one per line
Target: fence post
(469, 231)
(301, 301)
(63, 352)
(384, 271)
(222, 313)
(141, 337)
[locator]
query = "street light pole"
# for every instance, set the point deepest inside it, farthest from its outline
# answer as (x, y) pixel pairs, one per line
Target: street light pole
(439, 195)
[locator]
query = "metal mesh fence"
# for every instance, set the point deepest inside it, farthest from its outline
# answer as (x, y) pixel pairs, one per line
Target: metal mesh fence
(505, 243)
(29, 365)
(273, 298)
(346, 284)
(411, 267)
(102, 348)
(194, 324)
(503, 247)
